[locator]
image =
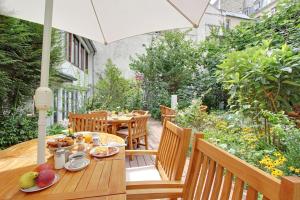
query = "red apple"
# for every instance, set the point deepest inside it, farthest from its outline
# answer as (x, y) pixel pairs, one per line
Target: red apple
(42, 167)
(45, 178)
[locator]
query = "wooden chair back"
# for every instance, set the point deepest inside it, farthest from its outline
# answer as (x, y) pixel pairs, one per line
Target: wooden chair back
(172, 151)
(215, 174)
(140, 112)
(139, 124)
(95, 122)
(166, 113)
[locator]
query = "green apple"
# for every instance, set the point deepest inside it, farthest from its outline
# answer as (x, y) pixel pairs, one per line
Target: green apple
(27, 180)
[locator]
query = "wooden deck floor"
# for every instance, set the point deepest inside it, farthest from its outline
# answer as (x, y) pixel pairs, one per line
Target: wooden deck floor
(155, 129)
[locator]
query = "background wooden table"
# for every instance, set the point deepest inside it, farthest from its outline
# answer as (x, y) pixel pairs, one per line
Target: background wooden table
(102, 178)
(118, 120)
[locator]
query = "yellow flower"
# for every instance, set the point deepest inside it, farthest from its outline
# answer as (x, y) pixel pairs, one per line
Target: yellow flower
(297, 171)
(277, 172)
(277, 154)
(291, 168)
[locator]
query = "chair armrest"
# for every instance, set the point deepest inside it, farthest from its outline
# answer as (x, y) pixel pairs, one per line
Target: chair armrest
(140, 152)
(153, 184)
(169, 115)
(153, 190)
(154, 193)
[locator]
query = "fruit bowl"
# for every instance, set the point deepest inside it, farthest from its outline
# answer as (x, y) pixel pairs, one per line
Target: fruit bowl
(36, 188)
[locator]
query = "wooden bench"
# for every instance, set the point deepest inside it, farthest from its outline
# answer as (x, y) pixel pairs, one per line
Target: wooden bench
(167, 113)
(215, 174)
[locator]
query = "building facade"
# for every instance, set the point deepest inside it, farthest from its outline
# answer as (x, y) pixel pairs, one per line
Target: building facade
(257, 8)
(76, 77)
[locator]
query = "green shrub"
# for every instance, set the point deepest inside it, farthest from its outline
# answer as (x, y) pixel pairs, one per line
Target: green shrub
(17, 127)
(262, 78)
(167, 67)
(55, 129)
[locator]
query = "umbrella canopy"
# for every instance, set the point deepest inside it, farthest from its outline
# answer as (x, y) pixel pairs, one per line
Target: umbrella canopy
(99, 20)
(106, 21)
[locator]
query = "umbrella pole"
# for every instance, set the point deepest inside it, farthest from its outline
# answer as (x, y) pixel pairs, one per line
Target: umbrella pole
(43, 95)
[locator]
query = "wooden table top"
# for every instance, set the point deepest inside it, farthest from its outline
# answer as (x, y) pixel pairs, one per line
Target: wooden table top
(119, 119)
(103, 178)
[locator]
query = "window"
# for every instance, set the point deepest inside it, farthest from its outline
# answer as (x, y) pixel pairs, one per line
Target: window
(86, 60)
(82, 61)
(76, 51)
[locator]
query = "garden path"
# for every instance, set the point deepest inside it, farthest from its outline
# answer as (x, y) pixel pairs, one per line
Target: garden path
(155, 130)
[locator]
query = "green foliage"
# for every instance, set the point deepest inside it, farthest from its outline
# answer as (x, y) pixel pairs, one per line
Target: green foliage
(246, 141)
(20, 60)
(211, 53)
(261, 78)
(55, 129)
(114, 92)
(20, 63)
(192, 117)
(17, 127)
(282, 27)
(168, 67)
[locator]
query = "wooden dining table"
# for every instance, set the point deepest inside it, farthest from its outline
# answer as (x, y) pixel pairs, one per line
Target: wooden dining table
(118, 120)
(102, 179)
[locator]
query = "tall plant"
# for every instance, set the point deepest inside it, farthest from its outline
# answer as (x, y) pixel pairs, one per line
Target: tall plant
(111, 90)
(167, 66)
(20, 60)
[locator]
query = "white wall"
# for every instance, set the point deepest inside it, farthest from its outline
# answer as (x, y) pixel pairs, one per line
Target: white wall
(119, 52)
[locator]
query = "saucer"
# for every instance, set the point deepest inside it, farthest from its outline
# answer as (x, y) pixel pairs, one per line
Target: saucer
(77, 165)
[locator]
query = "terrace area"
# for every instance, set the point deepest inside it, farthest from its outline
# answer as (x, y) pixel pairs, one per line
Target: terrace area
(196, 102)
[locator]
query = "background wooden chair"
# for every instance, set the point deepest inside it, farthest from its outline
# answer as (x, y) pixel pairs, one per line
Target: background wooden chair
(135, 113)
(95, 122)
(170, 156)
(216, 174)
(137, 129)
(140, 112)
(167, 113)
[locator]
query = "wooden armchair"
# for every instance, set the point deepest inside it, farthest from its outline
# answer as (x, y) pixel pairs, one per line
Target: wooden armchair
(95, 122)
(216, 174)
(137, 129)
(170, 156)
(167, 113)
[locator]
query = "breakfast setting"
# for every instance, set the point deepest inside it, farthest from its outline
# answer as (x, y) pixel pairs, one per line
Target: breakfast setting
(70, 153)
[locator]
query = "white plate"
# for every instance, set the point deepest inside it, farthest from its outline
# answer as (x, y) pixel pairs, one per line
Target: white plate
(85, 162)
(36, 188)
(114, 151)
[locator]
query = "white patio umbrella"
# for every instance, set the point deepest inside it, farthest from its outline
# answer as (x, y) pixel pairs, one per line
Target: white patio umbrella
(104, 21)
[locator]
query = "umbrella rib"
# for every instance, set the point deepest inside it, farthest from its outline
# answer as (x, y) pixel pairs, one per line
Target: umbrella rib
(184, 15)
(105, 42)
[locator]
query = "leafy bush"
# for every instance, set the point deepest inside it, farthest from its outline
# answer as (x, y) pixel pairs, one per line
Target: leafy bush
(192, 117)
(55, 129)
(17, 127)
(167, 67)
(262, 78)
